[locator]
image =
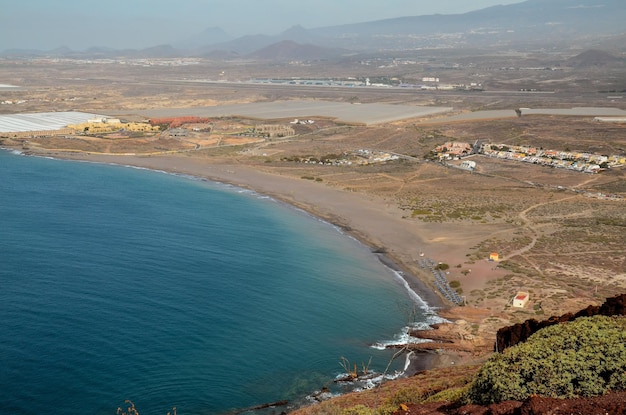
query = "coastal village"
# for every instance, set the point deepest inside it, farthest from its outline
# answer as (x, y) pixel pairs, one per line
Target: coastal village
(198, 133)
(567, 159)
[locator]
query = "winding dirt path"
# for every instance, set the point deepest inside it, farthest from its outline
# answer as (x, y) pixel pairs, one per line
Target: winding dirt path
(528, 224)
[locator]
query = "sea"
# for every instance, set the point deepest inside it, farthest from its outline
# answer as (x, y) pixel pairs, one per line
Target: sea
(120, 285)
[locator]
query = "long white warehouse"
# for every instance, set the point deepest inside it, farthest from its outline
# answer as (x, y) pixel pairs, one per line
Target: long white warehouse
(42, 121)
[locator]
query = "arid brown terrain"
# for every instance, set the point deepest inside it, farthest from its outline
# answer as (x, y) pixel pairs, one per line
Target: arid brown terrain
(559, 233)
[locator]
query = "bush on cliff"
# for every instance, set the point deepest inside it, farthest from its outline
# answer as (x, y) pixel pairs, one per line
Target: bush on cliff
(585, 357)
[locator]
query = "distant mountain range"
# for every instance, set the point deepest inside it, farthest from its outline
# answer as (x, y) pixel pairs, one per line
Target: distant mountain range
(531, 23)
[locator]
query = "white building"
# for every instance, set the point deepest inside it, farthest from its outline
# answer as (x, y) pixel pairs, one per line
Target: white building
(468, 164)
(521, 299)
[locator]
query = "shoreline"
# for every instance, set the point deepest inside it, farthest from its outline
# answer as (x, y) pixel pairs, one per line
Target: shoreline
(259, 181)
(373, 222)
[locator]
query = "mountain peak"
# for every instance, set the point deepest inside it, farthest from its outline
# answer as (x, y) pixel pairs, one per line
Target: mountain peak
(291, 50)
(295, 29)
(298, 34)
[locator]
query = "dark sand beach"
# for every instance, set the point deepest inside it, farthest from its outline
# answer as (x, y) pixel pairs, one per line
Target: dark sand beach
(375, 222)
(371, 221)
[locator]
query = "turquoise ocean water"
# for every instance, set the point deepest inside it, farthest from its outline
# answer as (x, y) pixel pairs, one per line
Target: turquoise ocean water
(120, 283)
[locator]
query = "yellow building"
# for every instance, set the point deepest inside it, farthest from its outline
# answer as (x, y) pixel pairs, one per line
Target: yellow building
(96, 126)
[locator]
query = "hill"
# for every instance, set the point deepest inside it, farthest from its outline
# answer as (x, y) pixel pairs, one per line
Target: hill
(592, 58)
(290, 50)
(565, 22)
(520, 23)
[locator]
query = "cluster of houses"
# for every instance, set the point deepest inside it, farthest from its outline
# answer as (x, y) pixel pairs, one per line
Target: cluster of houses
(453, 150)
(272, 131)
(101, 125)
(297, 121)
(583, 162)
(16, 102)
(357, 157)
(578, 161)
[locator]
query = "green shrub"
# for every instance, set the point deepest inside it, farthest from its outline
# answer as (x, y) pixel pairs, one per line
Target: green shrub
(456, 395)
(407, 395)
(586, 357)
(366, 410)
(359, 410)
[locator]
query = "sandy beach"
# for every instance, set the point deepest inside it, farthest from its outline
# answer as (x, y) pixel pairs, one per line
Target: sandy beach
(376, 222)
(372, 221)
(398, 241)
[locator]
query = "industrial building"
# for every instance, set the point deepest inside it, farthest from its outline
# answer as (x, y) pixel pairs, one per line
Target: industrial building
(41, 122)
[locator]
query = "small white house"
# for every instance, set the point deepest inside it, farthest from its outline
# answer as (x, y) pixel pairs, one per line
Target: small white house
(521, 299)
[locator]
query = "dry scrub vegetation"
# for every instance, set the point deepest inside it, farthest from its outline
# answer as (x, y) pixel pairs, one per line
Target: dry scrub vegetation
(558, 239)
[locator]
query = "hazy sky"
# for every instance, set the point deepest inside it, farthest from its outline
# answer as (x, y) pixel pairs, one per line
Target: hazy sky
(79, 24)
